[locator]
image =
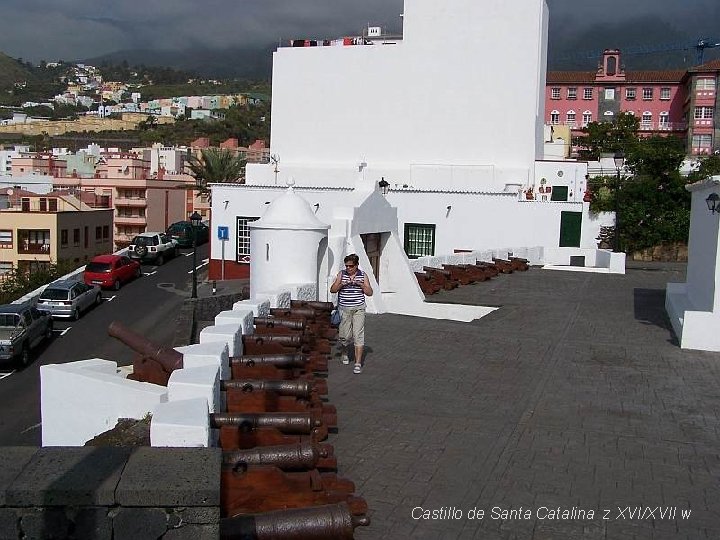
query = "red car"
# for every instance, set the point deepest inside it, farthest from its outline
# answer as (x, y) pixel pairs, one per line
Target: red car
(111, 271)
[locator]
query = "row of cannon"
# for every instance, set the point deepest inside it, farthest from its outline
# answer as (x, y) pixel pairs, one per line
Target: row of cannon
(450, 276)
(279, 476)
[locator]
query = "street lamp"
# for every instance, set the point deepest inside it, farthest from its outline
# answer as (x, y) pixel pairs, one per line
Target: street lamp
(195, 220)
(384, 185)
(619, 158)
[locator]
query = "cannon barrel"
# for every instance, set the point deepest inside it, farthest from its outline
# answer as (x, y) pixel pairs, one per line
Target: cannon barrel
(291, 423)
(327, 522)
(318, 306)
(270, 322)
(304, 455)
(292, 340)
(169, 358)
(284, 361)
(296, 388)
(294, 313)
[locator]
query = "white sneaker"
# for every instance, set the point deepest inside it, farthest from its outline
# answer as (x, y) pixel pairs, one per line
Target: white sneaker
(344, 359)
(357, 370)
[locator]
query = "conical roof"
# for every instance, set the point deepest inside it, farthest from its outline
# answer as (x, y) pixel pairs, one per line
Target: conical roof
(289, 211)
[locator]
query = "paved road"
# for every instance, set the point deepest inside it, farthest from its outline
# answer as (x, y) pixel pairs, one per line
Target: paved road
(574, 395)
(148, 305)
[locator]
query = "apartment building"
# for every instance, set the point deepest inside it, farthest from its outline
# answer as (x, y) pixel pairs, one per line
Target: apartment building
(678, 102)
(37, 230)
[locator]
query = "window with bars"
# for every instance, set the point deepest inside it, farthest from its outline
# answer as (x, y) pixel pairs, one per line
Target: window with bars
(243, 238)
(664, 119)
(587, 93)
(572, 92)
(704, 113)
(702, 141)
(647, 94)
(555, 117)
(555, 93)
(587, 118)
(419, 240)
(665, 93)
(630, 94)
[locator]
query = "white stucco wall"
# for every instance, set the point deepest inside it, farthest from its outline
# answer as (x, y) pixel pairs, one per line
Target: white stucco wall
(428, 101)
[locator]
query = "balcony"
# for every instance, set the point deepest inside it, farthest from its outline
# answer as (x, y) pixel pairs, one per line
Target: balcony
(135, 202)
(666, 126)
(34, 249)
(130, 220)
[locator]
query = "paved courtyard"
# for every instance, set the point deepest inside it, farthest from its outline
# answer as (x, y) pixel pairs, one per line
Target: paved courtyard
(569, 413)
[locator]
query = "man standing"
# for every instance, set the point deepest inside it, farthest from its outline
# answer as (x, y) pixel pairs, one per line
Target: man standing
(352, 285)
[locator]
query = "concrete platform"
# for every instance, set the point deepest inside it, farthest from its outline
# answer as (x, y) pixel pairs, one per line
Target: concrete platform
(572, 397)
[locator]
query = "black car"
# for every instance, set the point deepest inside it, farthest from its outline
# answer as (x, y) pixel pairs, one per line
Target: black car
(182, 231)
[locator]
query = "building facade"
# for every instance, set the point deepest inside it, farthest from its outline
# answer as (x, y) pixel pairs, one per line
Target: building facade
(37, 230)
(677, 102)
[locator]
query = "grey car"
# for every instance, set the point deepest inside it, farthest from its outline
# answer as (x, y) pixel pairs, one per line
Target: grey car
(22, 328)
(68, 298)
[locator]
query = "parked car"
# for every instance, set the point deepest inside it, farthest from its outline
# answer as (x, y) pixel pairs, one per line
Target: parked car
(154, 247)
(68, 298)
(22, 328)
(182, 231)
(111, 271)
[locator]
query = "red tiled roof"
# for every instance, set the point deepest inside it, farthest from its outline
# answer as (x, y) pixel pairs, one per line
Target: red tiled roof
(587, 77)
(570, 77)
(713, 65)
(675, 75)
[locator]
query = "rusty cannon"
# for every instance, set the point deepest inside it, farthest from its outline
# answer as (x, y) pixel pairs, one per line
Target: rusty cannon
(326, 307)
(427, 284)
(519, 264)
(272, 343)
(288, 457)
(316, 329)
(490, 268)
(290, 425)
(295, 313)
(460, 274)
(442, 277)
(475, 272)
(152, 363)
(309, 342)
(503, 265)
(327, 522)
(260, 488)
(267, 396)
(278, 366)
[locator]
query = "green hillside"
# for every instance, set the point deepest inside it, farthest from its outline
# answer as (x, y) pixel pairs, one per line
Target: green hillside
(12, 71)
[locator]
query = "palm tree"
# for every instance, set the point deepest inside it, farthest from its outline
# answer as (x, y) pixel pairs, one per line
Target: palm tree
(216, 165)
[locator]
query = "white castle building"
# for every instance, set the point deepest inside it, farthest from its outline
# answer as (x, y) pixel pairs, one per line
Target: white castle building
(449, 119)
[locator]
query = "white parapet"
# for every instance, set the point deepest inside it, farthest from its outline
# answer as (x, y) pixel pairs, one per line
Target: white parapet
(197, 382)
(277, 299)
(80, 400)
(214, 353)
(244, 317)
(260, 308)
(303, 291)
(181, 424)
(225, 333)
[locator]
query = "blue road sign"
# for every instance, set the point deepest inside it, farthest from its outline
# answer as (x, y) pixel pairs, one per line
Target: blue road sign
(223, 233)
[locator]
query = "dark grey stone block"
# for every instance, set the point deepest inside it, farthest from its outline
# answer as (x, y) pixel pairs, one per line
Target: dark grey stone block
(139, 524)
(199, 515)
(69, 477)
(44, 524)
(14, 459)
(194, 532)
(9, 524)
(95, 523)
(171, 477)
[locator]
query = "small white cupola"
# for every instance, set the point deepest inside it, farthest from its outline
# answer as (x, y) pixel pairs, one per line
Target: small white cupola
(287, 244)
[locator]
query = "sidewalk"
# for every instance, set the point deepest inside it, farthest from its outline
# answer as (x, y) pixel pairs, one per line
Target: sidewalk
(573, 397)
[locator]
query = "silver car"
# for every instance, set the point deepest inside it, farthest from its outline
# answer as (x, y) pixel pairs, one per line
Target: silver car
(68, 298)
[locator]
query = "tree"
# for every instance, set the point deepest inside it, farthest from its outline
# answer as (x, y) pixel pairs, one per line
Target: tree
(710, 166)
(610, 137)
(216, 165)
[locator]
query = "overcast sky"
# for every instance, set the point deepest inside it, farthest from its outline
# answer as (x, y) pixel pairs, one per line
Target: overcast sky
(75, 29)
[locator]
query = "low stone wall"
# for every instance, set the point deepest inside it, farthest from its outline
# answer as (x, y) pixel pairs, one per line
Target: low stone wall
(194, 315)
(663, 253)
(110, 493)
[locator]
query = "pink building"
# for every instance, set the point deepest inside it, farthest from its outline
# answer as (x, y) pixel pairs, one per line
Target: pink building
(675, 102)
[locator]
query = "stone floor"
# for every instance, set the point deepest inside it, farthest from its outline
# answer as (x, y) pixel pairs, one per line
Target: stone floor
(574, 395)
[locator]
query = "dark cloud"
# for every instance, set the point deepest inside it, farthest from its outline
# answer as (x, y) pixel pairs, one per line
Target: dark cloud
(70, 29)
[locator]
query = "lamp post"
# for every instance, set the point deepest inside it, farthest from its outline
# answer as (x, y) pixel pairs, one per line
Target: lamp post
(195, 219)
(619, 158)
(384, 185)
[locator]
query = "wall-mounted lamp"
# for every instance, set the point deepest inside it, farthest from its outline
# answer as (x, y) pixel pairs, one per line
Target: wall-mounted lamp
(317, 206)
(384, 185)
(713, 202)
(267, 202)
